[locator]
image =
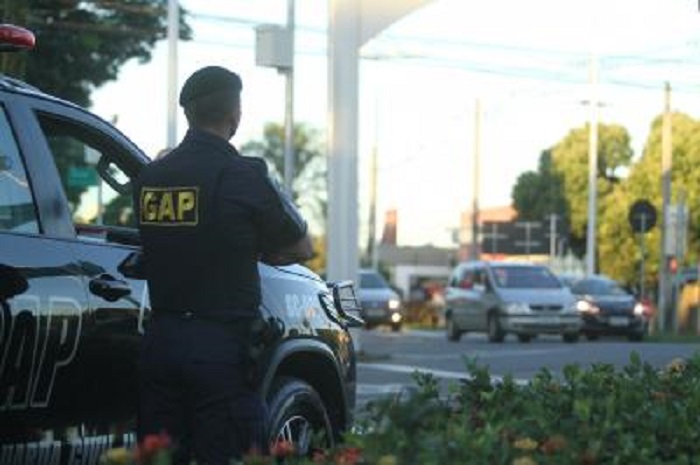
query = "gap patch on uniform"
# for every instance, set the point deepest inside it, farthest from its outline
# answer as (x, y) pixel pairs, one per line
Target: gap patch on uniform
(170, 206)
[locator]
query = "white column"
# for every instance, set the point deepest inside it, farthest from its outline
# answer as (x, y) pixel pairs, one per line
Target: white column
(289, 158)
(173, 36)
(343, 46)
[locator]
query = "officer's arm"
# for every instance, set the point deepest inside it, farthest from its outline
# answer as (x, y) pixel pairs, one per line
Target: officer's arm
(286, 238)
(298, 252)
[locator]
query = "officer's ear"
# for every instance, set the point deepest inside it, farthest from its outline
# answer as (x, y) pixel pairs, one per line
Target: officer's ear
(235, 119)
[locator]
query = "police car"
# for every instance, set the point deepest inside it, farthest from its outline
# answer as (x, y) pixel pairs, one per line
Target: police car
(72, 309)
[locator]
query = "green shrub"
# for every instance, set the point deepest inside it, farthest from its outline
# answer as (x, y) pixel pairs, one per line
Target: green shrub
(637, 415)
(599, 415)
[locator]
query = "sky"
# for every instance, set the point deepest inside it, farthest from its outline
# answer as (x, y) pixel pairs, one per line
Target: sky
(526, 62)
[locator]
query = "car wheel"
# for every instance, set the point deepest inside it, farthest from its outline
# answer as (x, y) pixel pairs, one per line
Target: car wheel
(453, 333)
(570, 337)
(298, 415)
(635, 337)
(495, 332)
(396, 327)
(592, 336)
(524, 338)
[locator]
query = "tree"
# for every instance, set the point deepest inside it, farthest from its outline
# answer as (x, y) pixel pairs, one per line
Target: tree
(538, 194)
(82, 43)
(620, 252)
(309, 183)
(570, 162)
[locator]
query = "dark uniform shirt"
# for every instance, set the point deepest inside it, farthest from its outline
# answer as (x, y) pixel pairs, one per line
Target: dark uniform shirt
(206, 214)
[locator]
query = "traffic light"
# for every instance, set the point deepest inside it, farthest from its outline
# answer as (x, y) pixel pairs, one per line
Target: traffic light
(672, 264)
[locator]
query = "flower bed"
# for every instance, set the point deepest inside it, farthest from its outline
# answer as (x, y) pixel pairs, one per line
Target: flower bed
(596, 415)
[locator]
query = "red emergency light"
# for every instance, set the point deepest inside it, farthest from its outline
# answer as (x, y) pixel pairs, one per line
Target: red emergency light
(14, 38)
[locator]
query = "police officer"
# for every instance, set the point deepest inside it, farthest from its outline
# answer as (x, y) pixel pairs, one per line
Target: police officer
(206, 216)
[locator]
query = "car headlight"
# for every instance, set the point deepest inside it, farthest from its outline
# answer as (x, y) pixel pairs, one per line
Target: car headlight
(516, 307)
(639, 309)
(394, 304)
(585, 306)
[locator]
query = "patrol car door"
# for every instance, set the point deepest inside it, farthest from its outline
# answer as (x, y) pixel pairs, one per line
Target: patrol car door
(43, 304)
(95, 167)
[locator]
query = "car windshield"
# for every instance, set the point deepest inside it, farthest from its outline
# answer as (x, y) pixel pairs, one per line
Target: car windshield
(372, 281)
(525, 277)
(599, 287)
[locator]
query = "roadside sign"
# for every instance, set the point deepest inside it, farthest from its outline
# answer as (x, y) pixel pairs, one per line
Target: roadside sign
(642, 216)
(82, 176)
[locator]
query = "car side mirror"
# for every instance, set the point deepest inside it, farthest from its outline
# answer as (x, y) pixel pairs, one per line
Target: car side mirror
(133, 266)
(12, 282)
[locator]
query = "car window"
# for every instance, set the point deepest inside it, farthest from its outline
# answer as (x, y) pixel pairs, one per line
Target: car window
(96, 186)
(599, 287)
(525, 277)
(372, 281)
(17, 211)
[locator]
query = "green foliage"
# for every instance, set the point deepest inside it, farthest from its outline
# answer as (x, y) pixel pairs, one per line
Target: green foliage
(82, 43)
(538, 194)
(589, 415)
(570, 160)
(309, 183)
(619, 248)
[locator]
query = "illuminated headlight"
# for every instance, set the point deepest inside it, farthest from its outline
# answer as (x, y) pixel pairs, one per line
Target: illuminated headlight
(395, 317)
(516, 307)
(639, 309)
(394, 304)
(585, 306)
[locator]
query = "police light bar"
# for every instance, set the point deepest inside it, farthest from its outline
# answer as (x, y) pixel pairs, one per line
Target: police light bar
(14, 38)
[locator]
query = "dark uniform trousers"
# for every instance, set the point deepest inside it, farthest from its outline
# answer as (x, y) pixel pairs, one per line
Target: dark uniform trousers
(193, 372)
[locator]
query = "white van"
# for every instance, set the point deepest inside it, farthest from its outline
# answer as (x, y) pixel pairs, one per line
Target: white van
(501, 298)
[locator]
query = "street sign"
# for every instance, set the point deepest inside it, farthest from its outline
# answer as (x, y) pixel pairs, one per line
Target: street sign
(82, 176)
(642, 216)
(514, 238)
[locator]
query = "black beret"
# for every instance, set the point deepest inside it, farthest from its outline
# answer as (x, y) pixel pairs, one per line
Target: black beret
(207, 80)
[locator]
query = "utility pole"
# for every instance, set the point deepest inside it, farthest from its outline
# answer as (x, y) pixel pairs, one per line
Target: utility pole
(289, 106)
(475, 195)
(666, 165)
(592, 167)
(173, 36)
(552, 238)
(372, 251)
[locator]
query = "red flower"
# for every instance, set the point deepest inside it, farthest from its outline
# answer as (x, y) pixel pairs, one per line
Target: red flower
(151, 446)
(282, 448)
(348, 456)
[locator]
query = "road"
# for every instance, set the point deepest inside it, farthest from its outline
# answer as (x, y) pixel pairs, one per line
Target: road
(388, 359)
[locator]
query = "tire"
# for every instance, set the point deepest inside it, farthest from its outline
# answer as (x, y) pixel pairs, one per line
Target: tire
(453, 333)
(570, 337)
(396, 327)
(298, 415)
(592, 336)
(495, 333)
(635, 337)
(524, 338)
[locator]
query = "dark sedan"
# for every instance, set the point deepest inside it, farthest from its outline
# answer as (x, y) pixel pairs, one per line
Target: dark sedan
(608, 309)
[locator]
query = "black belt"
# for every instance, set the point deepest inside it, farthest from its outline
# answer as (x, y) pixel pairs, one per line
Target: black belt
(182, 314)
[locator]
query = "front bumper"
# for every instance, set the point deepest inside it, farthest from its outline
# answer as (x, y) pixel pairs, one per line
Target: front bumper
(550, 323)
(613, 324)
(374, 316)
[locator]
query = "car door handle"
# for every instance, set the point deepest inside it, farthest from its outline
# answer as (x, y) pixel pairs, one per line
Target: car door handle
(109, 288)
